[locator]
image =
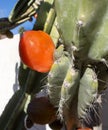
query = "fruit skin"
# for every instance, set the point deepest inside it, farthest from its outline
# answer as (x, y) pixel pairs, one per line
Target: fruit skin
(41, 111)
(36, 50)
(84, 129)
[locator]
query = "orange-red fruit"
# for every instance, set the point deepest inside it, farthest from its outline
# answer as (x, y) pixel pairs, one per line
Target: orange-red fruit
(84, 129)
(41, 111)
(36, 50)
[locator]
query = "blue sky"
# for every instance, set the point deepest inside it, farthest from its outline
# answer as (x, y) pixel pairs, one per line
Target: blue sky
(5, 9)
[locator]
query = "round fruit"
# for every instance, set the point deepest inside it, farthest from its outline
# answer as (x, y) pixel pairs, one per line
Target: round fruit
(84, 129)
(36, 50)
(41, 111)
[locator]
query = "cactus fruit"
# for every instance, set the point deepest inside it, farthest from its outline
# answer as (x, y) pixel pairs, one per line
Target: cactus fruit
(36, 50)
(84, 129)
(41, 111)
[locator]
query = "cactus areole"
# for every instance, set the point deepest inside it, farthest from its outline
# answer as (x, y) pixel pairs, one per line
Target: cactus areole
(36, 50)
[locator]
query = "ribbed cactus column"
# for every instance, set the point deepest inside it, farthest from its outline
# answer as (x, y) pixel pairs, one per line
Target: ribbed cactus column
(56, 76)
(69, 89)
(82, 25)
(87, 96)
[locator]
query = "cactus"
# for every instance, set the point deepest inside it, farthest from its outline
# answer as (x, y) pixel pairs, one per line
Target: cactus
(84, 34)
(21, 12)
(68, 90)
(56, 77)
(88, 88)
(13, 110)
(79, 73)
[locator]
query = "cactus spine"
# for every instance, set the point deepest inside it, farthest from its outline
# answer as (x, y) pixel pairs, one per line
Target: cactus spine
(87, 95)
(69, 89)
(57, 75)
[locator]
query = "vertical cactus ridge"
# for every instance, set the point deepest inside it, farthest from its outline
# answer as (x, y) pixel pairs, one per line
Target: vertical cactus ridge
(54, 33)
(56, 77)
(12, 110)
(83, 25)
(99, 48)
(43, 14)
(87, 95)
(69, 89)
(90, 20)
(66, 21)
(49, 21)
(59, 52)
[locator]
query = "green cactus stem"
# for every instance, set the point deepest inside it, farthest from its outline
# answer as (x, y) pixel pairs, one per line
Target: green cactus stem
(69, 89)
(54, 33)
(49, 21)
(12, 110)
(22, 75)
(23, 10)
(56, 77)
(5, 27)
(66, 17)
(42, 14)
(87, 95)
(82, 25)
